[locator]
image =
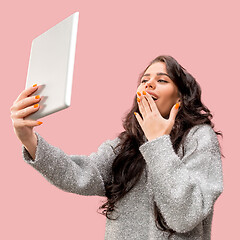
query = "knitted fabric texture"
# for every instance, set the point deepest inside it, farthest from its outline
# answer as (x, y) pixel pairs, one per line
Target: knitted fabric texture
(184, 188)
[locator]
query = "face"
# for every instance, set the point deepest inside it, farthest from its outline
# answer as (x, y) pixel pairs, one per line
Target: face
(161, 86)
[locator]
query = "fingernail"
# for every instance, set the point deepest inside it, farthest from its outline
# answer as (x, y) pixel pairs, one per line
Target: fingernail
(37, 97)
(138, 99)
(135, 113)
(36, 105)
(139, 94)
(34, 85)
(177, 105)
(144, 93)
(39, 123)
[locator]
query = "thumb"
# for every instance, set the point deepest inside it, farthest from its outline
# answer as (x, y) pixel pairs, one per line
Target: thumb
(139, 119)
(174, 111)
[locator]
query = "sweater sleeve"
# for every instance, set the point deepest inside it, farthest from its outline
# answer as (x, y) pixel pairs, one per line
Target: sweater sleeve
(80, 174)
(185, 189)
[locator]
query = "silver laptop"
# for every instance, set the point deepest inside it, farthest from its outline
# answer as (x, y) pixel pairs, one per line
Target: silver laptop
(51, 66)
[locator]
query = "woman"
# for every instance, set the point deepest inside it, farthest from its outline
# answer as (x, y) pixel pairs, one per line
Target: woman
(161, 176)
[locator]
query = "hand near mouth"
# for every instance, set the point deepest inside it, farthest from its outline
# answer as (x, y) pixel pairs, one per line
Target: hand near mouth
(153, 124)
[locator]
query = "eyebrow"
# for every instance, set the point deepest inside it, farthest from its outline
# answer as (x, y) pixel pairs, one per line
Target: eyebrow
(148, 74)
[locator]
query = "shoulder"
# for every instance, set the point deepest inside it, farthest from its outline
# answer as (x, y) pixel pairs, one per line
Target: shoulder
(203, 134)
(110, 145)
(201, 130)
(113, 142)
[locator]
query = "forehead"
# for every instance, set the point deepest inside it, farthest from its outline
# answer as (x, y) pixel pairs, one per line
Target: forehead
(158, 68)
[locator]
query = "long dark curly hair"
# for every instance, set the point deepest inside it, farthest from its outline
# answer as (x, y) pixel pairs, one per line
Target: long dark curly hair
(129, 164)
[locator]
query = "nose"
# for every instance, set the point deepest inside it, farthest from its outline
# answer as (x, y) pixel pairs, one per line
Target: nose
(150, 84)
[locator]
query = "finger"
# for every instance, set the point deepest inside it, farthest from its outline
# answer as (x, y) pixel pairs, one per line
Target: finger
(146, 105)
(26, 123)
(173, 112)
(22, 113)
(151, 102)
(26, 102)
(141, 108)
(139, 119)
(25, 93)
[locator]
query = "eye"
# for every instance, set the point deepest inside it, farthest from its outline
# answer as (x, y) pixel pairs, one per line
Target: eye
(144, 80)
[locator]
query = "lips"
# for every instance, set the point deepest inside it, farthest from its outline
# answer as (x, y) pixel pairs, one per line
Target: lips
(154, 96)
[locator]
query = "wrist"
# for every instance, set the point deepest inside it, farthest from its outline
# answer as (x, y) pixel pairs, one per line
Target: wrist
(155, 137)
(31, 145)
(30, 140)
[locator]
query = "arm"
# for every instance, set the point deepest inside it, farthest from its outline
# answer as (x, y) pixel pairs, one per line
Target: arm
(80, 174)
(185, 189)
(31, 146)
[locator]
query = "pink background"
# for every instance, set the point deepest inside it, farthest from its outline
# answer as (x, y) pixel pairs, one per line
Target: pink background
(116, 41)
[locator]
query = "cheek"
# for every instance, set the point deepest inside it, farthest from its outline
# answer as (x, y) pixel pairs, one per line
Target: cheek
(139, 88)
(169, 92)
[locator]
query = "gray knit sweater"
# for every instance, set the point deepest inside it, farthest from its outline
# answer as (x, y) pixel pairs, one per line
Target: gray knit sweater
(184, 188)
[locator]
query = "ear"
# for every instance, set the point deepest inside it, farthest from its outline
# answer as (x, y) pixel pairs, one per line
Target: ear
(179, 97)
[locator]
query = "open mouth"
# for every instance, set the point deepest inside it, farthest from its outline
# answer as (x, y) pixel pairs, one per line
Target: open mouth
(154, 98)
